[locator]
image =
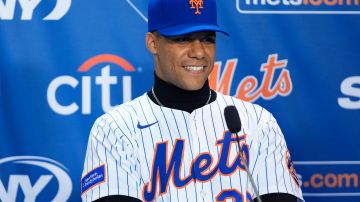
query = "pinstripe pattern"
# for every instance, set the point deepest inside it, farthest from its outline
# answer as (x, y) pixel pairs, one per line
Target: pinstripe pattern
(128, 151)
(230, 102)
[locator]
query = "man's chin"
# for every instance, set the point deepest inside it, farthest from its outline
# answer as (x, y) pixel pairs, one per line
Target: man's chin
(193, 86)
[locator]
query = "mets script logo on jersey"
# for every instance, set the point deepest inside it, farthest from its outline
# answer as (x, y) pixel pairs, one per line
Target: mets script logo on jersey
(196, 4)
(248, 89)
(105, 80)
(201, 169)
(298, 6)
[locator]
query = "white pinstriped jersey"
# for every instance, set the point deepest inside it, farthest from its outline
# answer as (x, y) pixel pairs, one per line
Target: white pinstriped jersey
(142, 150)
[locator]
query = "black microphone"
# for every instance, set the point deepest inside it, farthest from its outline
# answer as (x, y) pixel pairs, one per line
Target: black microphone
(232, 119)
(233, 123)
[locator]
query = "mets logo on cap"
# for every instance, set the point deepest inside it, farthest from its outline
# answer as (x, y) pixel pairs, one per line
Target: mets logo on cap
(196, 4)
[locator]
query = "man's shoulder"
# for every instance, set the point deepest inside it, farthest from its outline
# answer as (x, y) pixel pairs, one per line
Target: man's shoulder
(231, 100)
(126, 111)
(255, 111)
(130, 105)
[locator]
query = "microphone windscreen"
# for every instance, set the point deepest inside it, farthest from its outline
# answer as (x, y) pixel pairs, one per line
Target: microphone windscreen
(232, 119)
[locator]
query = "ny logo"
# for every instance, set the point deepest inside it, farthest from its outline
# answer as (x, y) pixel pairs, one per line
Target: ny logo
(196, 4)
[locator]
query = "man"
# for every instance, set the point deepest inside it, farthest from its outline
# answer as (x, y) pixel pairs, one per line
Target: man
(172, 143)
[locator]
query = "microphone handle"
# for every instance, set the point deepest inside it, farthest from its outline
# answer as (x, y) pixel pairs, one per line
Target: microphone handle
(243, 160)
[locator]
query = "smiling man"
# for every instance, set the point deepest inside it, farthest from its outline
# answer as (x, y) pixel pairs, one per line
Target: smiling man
(184, 61)
(172, 143)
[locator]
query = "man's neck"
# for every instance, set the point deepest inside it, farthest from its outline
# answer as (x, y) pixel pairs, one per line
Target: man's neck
(174, 97)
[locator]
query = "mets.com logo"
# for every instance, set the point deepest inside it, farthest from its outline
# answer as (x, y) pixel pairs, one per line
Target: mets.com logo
(298, 6)
(329, 178)
(29, 178)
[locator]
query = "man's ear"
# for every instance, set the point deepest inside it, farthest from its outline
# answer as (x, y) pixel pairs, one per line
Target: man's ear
(152, 42)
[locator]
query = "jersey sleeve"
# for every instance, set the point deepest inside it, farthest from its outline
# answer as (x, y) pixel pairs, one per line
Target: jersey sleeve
(111, 166)
(274, 172)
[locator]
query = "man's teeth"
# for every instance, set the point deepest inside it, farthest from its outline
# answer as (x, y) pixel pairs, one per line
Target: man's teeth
(194, 68)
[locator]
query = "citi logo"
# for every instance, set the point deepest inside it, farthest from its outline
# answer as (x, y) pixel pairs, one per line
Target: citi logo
(250, 89)
(50, 170)
(7, 9)
(298, 6)
(105, 81)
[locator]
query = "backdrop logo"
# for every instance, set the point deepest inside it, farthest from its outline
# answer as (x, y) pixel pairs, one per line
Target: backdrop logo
(105, 80)
(7, 9)
(298, 6)
(248, 89)
(31, 191)
(329, 178)
(350, 88)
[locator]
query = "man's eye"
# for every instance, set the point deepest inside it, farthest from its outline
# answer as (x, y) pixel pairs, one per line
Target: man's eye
(209, 39)
(181, 39)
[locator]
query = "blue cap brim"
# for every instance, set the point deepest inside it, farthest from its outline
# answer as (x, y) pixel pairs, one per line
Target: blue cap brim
(189, 28)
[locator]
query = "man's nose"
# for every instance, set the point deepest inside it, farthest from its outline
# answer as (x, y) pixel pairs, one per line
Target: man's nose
(197, 49)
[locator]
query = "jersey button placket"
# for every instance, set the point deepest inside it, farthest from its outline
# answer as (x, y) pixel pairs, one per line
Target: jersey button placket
(196, 150)
(196, 144)
(203, 194)
(194, 137)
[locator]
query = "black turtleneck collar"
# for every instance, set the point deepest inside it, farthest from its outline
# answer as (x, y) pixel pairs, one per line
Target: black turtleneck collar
(174, 97)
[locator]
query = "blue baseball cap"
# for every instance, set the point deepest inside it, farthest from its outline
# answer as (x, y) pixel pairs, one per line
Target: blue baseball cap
(179, 17)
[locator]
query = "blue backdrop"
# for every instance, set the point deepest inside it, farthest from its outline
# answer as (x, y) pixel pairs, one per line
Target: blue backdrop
(63, 63)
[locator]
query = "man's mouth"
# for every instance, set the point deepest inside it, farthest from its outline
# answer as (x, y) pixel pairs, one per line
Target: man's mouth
(194, 68)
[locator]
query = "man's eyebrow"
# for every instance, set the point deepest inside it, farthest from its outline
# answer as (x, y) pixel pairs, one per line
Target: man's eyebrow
(179, 36)
(192, 36)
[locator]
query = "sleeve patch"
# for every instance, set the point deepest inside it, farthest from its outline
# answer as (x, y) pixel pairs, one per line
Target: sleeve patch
(93, 178)
(291, 169)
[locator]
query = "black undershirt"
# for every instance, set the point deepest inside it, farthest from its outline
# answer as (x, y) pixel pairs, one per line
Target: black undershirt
(177, 98)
